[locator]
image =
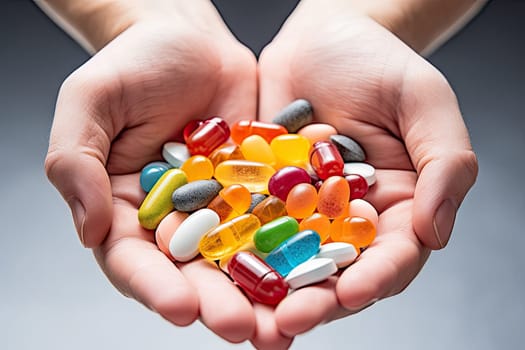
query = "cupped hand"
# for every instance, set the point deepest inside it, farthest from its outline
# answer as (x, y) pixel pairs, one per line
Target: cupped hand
(370, 86)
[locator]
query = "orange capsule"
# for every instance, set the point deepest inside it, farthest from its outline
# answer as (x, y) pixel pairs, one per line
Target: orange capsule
(269, 209)
(301, 201)
(225, 152)
(232, 201)
(317, 222)
(197, 168)
(333, 197)
(355, 230)
(244, 128)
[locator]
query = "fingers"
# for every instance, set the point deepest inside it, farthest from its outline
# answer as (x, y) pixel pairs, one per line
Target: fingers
(267, 334)
(438, 143)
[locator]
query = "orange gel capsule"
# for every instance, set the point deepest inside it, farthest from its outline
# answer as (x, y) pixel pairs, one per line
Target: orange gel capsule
(333, 197)
(317, 222)
(269, 209)
(253, 175)
(301, 200)
(291, 150)
(197, 168)
(256, 148)
(244, 128)
(354, 230)
(225, 152)
(231, 202)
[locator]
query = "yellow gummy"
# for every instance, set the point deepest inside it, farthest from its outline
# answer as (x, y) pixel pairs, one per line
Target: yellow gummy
(157, 203)
(252, 175)
(291, 150)
(256, 148)
(197, 168)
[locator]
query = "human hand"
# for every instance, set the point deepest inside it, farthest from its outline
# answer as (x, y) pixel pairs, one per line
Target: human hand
(369, 85)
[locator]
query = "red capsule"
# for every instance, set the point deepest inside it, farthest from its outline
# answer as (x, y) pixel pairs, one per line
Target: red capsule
(358, 186)
(285, 178)
(326, 160)
(208, 135)
(190, 128)
(261, 282)
(244, 128)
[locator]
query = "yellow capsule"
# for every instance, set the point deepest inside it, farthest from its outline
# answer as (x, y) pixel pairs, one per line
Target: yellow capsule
(252, 175)
(225, 152)
(256, 148)
(197, 168)
(291, 150)
(158, 203)
(228, 237)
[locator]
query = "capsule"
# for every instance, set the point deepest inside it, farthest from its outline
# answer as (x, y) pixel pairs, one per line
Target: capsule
(244, 128)
(326, 160)
(318, 222)
(301, 201)
(228, 237)
(255, 148)
(285, 179)
(294, 251)
(257, 279)
(208, 135)
(232, 201)
(358, 186)
(225, 152)
(291, 150)
(151, 173)
(190, 127)
(333, 197)
(269, 209)
(253, 175)
(354, 230)
(273, 233)
(157, 203)
(198, 168)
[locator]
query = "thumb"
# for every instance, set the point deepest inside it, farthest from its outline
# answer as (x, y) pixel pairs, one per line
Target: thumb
(75, 160)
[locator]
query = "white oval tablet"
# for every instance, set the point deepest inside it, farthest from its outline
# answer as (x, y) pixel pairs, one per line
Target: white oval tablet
(310, 272)
(175, 153)
(184, 244)
(364, 169)
(342, 253)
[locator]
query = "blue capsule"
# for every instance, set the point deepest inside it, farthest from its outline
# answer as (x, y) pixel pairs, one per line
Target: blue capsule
(294, 251)
(151, 173)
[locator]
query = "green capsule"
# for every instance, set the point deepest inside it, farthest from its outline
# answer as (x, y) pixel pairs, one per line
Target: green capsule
(158, 203)
(273, 233)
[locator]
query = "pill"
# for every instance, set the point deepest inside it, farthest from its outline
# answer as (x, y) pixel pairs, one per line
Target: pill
(364, 209)
(273, 233)
(326, 160)
(294, 251)
(355, 230)
(317, 132)
(232, 201)
(256, 148)
(165, 231)
(269, 209)
(190, 127)
(175, 153)
(301, 201)
(198, 168)
(195, 195)
(317, 222)
(291, 149)
(342, 253)
(225, 152)
(244, 128)
(332, 199)
(157, 203)
(295, 115)
(358, 186)
(349, 149)
(256, 198)
(248, 247)
(253, 175)
(151, 173)
(228, 237)
(310, 272)
(285, 179)
(257, 279)
(364, 169)
(208, 135)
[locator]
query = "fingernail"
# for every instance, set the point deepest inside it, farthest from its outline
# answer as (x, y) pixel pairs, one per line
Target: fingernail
(444, 221)
(79, 217)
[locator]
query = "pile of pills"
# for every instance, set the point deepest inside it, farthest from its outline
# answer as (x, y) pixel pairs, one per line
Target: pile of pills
(277, 206)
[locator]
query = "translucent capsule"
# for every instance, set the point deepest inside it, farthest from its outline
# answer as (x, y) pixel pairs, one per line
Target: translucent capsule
(326, 160)
(248, 247)
(333, 197)
(157, 203)
(301, 201)
(257, 279)
(207, 136)
(256, 148)
(228, 237)
(232, 201)
(358, 186)
(225, 152)
(244, 128)
(151, 173)
(198, 168)
(354, 230)
(273, 233)
(269, 209)
(253, 175)
(317, 222)
(285, 178)
(291, 149)
(294, 251)
(190, 127)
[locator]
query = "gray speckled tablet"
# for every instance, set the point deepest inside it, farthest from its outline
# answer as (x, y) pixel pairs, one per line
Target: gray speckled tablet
(256, 199)
(294, 116)
(350, 150)
(195, 195)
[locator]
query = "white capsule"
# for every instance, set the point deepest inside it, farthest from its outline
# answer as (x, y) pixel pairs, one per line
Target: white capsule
(175, 153)
(342, 253)
(310, 272)
(364, 169)
(184, 244)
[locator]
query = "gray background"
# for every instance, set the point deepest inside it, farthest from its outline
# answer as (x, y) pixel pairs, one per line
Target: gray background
(469, 296)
